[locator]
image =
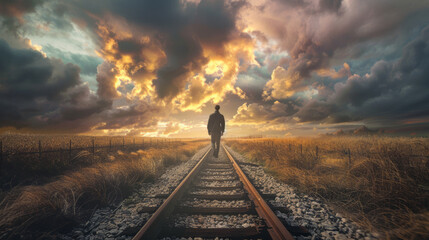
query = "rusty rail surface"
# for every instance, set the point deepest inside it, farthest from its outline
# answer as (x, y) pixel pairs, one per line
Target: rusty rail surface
(152, 227)
(276, 229)
(273, 226)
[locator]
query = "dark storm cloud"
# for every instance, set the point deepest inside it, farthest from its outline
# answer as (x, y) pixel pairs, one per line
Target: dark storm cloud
(210, 24)
(11, 12)
(313, 36)
(184, 56)
(40, 92)
(165, 44)
(356, 90)
(180, 29)
(292, 3)
(215, 20)
(134, 116)
(106, 81)
(16, 8)
(330, 5)
(27, 74)
(157, 15)
(79, 103)
(395, 89)
(392, 92)
(129, 46)
(314, 111)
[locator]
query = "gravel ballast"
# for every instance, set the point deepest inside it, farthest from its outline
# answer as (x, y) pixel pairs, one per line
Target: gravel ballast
(216, 221)
(217, 173)
(206, 203)
(218, 184)
(203, 191)
(218, 178)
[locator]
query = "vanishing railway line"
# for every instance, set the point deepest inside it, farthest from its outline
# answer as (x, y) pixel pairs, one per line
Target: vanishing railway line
(215, 199)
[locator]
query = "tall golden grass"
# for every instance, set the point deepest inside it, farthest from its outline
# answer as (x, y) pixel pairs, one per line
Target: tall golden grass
(382, 184)
(35, 210)
(30, 158)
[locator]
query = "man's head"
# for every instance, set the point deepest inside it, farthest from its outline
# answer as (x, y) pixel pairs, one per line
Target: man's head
(217, 107)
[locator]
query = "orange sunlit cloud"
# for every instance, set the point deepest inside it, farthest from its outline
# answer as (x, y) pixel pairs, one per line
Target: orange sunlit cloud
(148, 69)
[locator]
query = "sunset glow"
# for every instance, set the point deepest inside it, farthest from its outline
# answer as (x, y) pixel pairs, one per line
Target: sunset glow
(157, 68)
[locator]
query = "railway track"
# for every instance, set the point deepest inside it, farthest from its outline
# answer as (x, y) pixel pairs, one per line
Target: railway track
(215, 200)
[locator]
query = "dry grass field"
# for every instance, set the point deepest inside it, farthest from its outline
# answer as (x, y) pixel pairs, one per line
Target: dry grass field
(69, 196)
(382, 183)
(22, 164)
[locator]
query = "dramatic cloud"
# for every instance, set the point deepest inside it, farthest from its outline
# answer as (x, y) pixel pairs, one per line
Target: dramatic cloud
(314, 110)
(343, 72)
(12, 14)
(156, 68)
(156, 55)
(395, 89)
(107, 81)
(283, 84)
(272, 119)
(16, 8)
(312, 35)
(171, 50)
(262, 114)
(134, 116)
(40, 92)
(330, 5)
(391, 90)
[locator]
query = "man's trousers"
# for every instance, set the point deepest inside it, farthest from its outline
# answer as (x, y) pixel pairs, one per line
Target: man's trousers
(215, 143)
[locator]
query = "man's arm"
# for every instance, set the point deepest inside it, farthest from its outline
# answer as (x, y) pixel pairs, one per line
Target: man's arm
(209, 124)
(222, 124)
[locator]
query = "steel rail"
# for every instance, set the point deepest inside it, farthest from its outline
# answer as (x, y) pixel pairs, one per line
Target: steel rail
(152, 227)
(276, 229)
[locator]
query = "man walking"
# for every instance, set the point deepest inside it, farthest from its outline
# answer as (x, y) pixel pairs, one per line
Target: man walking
(216, 127)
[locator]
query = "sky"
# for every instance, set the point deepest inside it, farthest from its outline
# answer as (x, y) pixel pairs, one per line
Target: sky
(157, 68)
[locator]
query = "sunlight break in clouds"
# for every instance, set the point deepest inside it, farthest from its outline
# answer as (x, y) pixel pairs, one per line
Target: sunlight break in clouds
(146, 67)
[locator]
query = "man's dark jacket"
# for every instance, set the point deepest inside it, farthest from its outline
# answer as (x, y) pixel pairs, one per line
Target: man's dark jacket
(216, 123)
